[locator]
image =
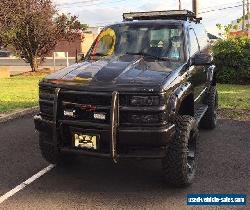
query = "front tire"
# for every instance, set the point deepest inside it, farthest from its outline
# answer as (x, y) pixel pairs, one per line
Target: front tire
(180, 162)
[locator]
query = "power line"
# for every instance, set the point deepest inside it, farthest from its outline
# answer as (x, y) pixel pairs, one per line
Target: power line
(219, 5)
(88, 3)
(78, 2)
(219, 9)
(96, 2)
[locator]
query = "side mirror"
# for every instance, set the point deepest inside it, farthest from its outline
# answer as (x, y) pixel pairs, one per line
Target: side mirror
(201, 59)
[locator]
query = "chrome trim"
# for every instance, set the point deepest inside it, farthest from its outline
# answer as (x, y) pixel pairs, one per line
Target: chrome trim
(143, 108)
(114, 124)
(55, 113)
(202, 92)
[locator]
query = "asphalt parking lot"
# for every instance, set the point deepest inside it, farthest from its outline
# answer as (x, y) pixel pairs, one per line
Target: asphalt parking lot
(89, 183)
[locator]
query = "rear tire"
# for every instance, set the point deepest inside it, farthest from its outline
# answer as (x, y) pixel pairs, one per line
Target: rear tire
(209, 120)
(179, 165)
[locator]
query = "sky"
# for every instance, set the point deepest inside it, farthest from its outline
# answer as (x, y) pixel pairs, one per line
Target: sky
(103, 12)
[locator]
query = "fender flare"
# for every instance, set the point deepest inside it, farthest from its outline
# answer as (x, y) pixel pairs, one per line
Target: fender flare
(177, 97)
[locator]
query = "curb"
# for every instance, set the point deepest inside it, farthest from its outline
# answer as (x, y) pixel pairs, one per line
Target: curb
(18, 114)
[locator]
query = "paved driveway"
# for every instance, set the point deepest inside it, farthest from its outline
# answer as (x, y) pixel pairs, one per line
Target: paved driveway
(223, 167)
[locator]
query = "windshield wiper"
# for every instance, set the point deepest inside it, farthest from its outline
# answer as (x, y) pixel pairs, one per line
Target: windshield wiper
(147, 54)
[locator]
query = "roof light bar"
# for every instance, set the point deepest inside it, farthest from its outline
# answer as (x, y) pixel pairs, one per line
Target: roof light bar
(170, 14)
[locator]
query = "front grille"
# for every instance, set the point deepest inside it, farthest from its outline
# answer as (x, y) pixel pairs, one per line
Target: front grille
(86, 98)
(84, 105)
(46, 100)
(46, 107)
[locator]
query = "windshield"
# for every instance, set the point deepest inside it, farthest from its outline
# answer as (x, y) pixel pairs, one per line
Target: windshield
(163, 42)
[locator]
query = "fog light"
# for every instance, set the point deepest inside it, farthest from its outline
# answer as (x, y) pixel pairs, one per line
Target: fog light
(100, 116)
(69, 113)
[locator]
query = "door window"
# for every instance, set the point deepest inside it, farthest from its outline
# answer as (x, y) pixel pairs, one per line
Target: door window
(194, 46)
(202, 37)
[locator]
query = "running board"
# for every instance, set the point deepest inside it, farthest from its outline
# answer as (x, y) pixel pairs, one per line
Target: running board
(199, 112)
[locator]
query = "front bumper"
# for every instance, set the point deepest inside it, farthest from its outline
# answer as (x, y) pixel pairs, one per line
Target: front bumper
(115, 141)
(133, 142)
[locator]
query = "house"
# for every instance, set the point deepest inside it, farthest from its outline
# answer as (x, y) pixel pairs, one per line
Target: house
(80, 45)
(89, 36)
(237, 28)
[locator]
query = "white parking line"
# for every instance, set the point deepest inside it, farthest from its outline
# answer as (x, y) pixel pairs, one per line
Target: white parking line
(25, 183)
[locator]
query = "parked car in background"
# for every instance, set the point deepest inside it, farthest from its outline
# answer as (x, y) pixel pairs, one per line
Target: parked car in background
(4, 53)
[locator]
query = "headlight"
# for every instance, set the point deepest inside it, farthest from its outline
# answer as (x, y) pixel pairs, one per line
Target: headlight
(145, 101)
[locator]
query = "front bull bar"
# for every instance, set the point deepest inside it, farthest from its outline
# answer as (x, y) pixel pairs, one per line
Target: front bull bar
(114, 122)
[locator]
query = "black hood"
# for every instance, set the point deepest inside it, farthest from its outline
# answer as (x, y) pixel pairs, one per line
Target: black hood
(117, 71)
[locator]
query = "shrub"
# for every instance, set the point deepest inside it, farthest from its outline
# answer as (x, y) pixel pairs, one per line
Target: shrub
(232, 58)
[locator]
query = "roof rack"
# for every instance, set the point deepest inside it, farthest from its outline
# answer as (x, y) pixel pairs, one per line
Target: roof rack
(164, 15)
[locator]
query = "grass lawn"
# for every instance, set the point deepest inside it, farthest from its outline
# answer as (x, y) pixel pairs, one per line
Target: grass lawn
(234, 96)
(234, 101)
(22, 92)
(18, 92)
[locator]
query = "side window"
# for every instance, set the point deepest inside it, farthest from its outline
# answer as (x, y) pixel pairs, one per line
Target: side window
(202, 37)
(194, 46)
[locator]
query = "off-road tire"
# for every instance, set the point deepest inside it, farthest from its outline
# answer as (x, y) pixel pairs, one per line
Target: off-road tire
(175, 166)
(209, 120)
(49, 151)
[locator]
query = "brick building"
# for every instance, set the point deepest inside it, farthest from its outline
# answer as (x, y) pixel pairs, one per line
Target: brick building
(80, 45)
(70, 47)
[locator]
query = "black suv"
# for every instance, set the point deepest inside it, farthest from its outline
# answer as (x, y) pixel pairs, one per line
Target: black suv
(142, 91)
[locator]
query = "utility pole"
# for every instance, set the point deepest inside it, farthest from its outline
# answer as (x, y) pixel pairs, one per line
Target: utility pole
(248, 17)
(180, 5)
(248, 8)
(196, 7)
(243, 18)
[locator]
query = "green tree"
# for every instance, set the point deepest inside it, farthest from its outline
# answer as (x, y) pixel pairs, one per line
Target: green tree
(239, 20)
(219, 26)
(232, 59)
(227, 29)
(33, 28)
(236, 27)
(68, 26)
